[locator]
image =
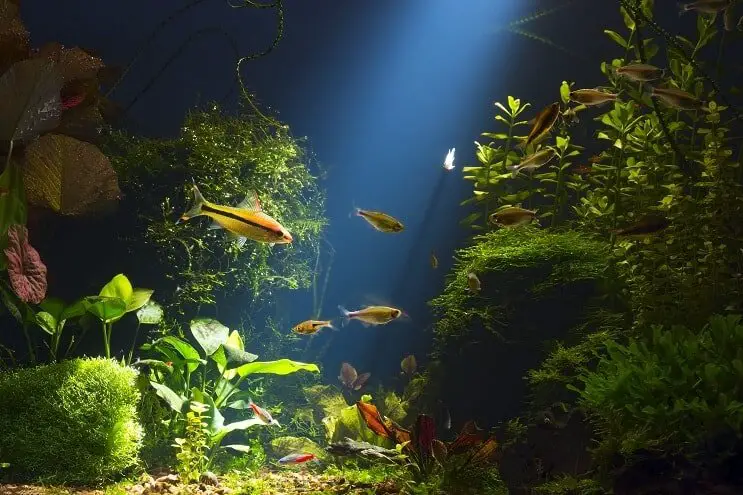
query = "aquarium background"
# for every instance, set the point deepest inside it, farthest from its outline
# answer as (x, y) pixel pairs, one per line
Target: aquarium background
(381, 90)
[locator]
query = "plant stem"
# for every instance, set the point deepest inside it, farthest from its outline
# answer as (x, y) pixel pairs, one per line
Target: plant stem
(134, 343)
(106, 342)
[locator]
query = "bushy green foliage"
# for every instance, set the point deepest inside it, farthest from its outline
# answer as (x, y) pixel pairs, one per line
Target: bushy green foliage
(72, 422)
(671, 389)
(227, 156)
(516, 267)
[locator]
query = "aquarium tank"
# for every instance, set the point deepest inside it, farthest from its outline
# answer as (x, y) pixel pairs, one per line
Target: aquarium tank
(286, 247)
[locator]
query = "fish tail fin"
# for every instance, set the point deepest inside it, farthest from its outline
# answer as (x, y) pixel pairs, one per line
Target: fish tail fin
(354, 210)
(196, 205)
(346, 315)
(332, 327)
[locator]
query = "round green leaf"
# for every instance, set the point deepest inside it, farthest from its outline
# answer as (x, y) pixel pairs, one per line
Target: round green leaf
(150, 314)
(209, 333)
(120, 287)
(106, 309)
(139, 298)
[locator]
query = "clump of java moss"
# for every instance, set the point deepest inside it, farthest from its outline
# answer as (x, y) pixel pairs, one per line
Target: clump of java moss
(228, 156)
(72, 422)
(536, 286)
(521, 270)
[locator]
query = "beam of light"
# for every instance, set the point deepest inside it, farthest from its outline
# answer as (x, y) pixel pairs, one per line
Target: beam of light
(419, 103)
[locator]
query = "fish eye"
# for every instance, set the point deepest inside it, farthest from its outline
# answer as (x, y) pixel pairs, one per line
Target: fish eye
(396, 313)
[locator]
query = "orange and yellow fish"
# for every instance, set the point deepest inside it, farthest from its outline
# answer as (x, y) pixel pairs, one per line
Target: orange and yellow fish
(244, 221)
(310, 327)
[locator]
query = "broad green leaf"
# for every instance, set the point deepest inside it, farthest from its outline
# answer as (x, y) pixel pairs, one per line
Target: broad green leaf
(628, 21)
(68, 176)
(184, 349)
(209, 333)
(279, 367)
(175, 401)
(150, 314)
(237, 357)
(139, 298)
(616, 37)
(106, 309)
(74, 310)
(29, 99)
(53, 306)
(47, 322)
(119, 286)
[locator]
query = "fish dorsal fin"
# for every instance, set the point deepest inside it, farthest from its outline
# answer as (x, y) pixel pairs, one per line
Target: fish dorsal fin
(250, 202)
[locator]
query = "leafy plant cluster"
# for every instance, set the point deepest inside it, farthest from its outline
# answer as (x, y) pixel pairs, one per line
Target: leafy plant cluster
(228, 157)
(670, 389)
(658, 159)
(211, 379)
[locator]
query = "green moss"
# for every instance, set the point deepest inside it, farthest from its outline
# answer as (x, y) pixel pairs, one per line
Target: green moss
(674, 389)
(517, 268)
(227, 156)
(72, 422)
(568, 485)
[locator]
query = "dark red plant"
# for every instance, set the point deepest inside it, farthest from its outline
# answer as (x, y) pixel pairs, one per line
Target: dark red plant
(26, 270)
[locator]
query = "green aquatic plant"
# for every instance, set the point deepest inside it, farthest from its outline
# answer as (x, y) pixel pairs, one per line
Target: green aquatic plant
(228, 157)
(490, 176)
(116, 299)
(71, 422)
(184, 375)
(668, 389)
(192, 448)
(516, 266)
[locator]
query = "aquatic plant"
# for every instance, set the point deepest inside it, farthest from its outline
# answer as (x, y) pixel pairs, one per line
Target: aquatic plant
(72, 422)
(227, 156)
(184, 375)
(464, 465)
(52, 111)
(671, 389)
(518, 267)
(192, 448)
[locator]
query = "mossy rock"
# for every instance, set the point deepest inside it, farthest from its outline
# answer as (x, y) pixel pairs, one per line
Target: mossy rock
(536, 285)
(73, 422)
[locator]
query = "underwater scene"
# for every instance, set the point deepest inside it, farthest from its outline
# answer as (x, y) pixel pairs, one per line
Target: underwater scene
(420, 247)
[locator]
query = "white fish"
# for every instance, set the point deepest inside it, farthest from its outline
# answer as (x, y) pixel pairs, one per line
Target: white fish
(449, 160)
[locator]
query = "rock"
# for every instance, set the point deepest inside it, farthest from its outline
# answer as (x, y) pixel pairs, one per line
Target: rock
(209, 478)
(170, 479)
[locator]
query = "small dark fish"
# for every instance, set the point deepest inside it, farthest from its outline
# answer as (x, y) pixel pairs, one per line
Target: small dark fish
(434, 261)
(409, 365)
(706, 6)
(582, 169)
(543, 123)
(380, 221)
(473, 283)
(513, 216)
(371, 315)
(351, 379)
(648, 225)
(532, 162)
(640, 72)
(592, 97)
(298, 458)
(675, 98)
